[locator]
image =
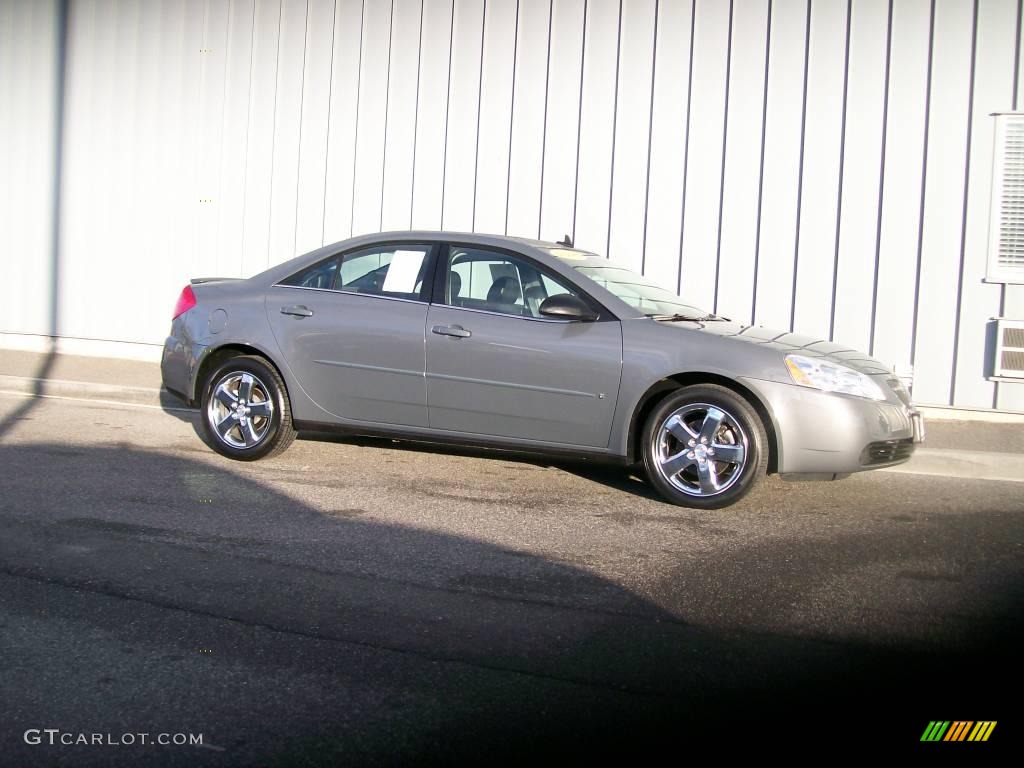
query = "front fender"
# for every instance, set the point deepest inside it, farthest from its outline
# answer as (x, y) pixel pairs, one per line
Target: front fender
(657, 357)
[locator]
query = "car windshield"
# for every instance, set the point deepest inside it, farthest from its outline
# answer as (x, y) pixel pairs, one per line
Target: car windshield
(636, 290)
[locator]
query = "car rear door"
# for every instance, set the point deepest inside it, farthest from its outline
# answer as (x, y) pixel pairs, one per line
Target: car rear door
(496, 367)
(351, 329)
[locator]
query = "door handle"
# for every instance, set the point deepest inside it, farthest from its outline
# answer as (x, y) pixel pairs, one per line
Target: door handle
(456, 331)
(297, 311)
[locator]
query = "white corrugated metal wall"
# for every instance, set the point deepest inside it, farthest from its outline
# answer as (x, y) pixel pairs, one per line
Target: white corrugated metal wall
(816, 164)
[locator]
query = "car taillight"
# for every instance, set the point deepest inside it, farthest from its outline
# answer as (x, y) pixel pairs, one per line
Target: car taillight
(185, 302)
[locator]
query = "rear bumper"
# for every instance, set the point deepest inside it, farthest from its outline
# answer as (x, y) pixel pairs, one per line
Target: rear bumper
(824, 433)
(174, 369)
(180, 360)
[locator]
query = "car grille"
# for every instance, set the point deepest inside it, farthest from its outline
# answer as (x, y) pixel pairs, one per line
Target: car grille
(887, 452)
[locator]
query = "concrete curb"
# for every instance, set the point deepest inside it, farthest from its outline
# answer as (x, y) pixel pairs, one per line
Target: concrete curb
(934, 412)
(89, 390)
(973, 465)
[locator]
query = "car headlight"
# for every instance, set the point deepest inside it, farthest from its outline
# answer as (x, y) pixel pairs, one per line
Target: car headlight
(832, 377)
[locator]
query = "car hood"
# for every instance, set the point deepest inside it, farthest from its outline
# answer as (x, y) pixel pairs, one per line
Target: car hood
(786, 343)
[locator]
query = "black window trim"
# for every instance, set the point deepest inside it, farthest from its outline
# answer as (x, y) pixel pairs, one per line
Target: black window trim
(441, 267)
(426, 290)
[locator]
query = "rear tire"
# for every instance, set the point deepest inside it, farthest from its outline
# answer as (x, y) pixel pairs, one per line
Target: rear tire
(704, 446)
(245, 411)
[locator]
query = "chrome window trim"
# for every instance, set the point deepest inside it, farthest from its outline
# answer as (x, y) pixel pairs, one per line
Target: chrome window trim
(350, 293)
(503, 314)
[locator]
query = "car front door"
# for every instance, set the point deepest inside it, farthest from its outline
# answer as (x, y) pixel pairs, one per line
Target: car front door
(351, 329)
(496, 366)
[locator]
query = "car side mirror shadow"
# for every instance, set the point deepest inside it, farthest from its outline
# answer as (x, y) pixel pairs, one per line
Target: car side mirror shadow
(565, 306)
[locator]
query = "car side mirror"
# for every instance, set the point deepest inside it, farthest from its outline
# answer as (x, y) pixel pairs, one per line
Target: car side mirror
(565, 306)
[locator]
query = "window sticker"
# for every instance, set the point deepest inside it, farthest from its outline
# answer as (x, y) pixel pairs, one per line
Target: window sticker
(404, 269)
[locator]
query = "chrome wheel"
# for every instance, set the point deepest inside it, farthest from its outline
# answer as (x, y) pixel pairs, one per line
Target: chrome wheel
(240, 409)
(700, 449)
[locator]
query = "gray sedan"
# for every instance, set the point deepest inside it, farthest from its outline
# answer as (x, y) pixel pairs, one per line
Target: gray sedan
(526, 346)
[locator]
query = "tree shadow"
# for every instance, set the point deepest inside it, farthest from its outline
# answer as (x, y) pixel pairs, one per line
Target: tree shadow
(54, 245)
(144, 592)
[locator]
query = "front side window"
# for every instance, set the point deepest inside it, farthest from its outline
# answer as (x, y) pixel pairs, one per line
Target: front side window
(396, 271)
(496, 282)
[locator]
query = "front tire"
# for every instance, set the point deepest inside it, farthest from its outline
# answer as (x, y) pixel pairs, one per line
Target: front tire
(245, 411)
(704, 446)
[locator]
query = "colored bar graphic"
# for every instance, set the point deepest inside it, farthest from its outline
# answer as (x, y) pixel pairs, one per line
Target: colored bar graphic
(959, 730)
(982, 730)
(935, 730)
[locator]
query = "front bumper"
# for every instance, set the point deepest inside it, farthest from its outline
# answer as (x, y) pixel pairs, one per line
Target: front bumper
(824, 433)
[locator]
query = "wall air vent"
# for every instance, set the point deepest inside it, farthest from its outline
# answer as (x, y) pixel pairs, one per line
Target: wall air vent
(1009, 362)
(1006, 228)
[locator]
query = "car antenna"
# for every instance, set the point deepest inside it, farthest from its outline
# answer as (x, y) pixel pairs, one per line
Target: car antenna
(566, 241)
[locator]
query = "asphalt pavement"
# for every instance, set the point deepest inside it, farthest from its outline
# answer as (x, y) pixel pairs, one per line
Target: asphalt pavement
(358, 601)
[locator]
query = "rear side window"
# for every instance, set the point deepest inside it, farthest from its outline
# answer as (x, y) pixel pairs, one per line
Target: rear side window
(394, 271)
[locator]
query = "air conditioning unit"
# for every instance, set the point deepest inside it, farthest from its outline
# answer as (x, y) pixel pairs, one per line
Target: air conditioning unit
(1009, 362)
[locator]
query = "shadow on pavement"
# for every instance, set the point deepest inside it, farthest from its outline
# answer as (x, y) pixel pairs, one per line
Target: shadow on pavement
(10, 420)
(174, 406)
(621, 478)
(615, 476)
(144, 592)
